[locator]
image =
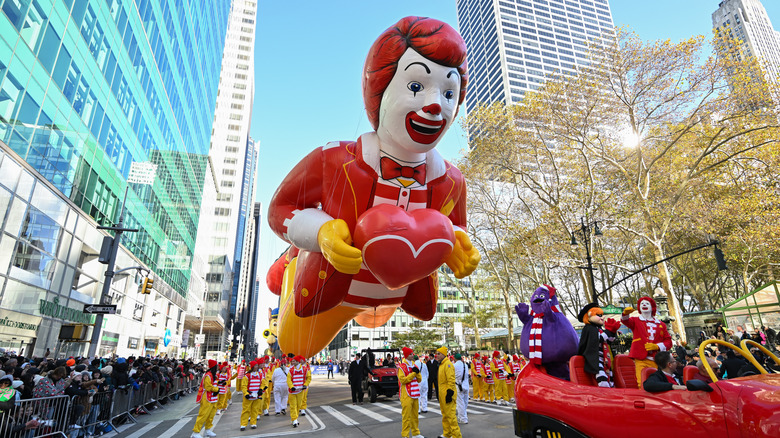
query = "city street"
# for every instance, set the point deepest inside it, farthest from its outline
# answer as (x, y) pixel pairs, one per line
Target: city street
(330, 414)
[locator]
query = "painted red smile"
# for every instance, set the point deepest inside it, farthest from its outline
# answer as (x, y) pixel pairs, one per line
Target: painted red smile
(422, 130)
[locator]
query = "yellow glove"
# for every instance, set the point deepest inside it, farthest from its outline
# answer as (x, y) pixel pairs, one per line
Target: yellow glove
(627, 311)
(336, 245)
(464, 257)
(649, 346)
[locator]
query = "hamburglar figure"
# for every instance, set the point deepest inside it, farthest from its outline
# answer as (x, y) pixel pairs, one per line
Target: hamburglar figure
(594, 343)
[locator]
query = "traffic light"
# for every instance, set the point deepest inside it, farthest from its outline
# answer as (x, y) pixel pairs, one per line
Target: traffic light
(720, 259)
(73, 332)
(146, 286)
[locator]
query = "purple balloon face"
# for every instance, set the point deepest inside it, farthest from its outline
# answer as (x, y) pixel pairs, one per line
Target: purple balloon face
(538, 298)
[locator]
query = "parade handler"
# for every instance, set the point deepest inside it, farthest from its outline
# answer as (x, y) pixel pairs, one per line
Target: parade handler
(477, 376)
(252, 388)
(208, 395)
(296, 384)
(240, 373)
(462, 380)
(447, 388)
(279, 382)
(225, 378)
(409, 389)
(499, 374)
(265, 369)
(650, 335)
(305, 402)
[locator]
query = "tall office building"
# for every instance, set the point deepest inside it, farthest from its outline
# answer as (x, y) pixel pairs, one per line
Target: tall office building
(87, 87)
(515, 45)
(748, 21)
(234, 157)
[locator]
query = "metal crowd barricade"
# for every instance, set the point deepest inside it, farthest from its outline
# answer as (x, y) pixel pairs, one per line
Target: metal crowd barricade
(121, 405)
(100, 412)
(51, 413)
(138, 399)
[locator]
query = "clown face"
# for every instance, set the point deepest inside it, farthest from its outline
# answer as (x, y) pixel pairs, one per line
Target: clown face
(645, 308)
(417, 106)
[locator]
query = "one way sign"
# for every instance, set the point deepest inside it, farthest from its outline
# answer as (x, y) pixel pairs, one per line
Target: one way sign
(105, 309)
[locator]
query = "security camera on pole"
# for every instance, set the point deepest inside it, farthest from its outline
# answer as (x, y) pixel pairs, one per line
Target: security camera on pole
(140, 173)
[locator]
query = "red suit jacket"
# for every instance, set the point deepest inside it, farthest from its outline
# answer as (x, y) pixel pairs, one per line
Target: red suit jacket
(337, 179)
(647, 331)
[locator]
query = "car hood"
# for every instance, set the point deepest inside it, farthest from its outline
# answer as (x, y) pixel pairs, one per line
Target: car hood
(755, 403)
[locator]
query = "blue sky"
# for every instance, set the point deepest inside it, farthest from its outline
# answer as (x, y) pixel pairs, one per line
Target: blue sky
(308, 63)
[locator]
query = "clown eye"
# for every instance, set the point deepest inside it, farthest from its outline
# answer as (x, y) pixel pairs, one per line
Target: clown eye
(414, 87)
(449, 94)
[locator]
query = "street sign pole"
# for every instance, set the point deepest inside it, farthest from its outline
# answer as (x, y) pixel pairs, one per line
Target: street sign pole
(142, 173)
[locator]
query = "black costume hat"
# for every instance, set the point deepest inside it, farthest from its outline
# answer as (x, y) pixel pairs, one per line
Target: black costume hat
(585, 311)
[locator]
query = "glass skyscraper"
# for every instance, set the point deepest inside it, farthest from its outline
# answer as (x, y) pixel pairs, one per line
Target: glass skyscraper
(515, 45)
(88, 87)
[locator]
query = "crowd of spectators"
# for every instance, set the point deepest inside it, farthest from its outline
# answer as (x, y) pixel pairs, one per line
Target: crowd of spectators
(724, 361)
(88, 383)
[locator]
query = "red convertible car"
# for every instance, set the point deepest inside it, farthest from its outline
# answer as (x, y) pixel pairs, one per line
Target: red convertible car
(744, 407)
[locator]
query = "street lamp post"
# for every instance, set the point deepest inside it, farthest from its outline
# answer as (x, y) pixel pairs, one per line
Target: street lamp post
(586, 230)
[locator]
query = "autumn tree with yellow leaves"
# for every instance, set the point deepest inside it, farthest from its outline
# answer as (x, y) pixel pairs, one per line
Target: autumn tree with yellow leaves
(649, 139)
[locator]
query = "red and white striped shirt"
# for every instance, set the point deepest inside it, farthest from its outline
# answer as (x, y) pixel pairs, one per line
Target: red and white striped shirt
(225, 377)
(298, 377)
(413, 387)
(480, 368)
(254, 380)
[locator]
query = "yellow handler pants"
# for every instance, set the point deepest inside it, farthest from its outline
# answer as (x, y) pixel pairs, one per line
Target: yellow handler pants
(205, 415)
(500, 390)
(410, 421)
(249, 411)
(449, 417)
(478, 388)
(295, 400)
(489, 395)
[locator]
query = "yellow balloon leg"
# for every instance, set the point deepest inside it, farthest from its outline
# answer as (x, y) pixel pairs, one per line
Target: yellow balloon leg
(307, 336)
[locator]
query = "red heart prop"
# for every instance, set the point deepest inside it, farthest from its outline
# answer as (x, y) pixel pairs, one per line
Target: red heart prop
(401, 247)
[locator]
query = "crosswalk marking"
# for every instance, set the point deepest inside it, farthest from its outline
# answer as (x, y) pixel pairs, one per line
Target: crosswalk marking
(379, 417)
(176, 427)
(143, 430)
(493, 409)
(394, 409)
(339, 416)
(430, 409)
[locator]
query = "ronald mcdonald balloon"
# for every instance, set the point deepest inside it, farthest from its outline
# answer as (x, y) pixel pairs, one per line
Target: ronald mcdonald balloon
(371, 220)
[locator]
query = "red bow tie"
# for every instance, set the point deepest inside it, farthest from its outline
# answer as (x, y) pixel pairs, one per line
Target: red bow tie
(391, 170)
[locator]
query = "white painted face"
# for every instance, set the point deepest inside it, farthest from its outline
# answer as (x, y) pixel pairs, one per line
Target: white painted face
(419, 104)
(645, 307)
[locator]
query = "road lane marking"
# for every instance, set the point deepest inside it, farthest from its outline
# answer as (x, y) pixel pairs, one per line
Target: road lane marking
(339, 416)
(142, 432)
(379, 417)
(176, 427)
